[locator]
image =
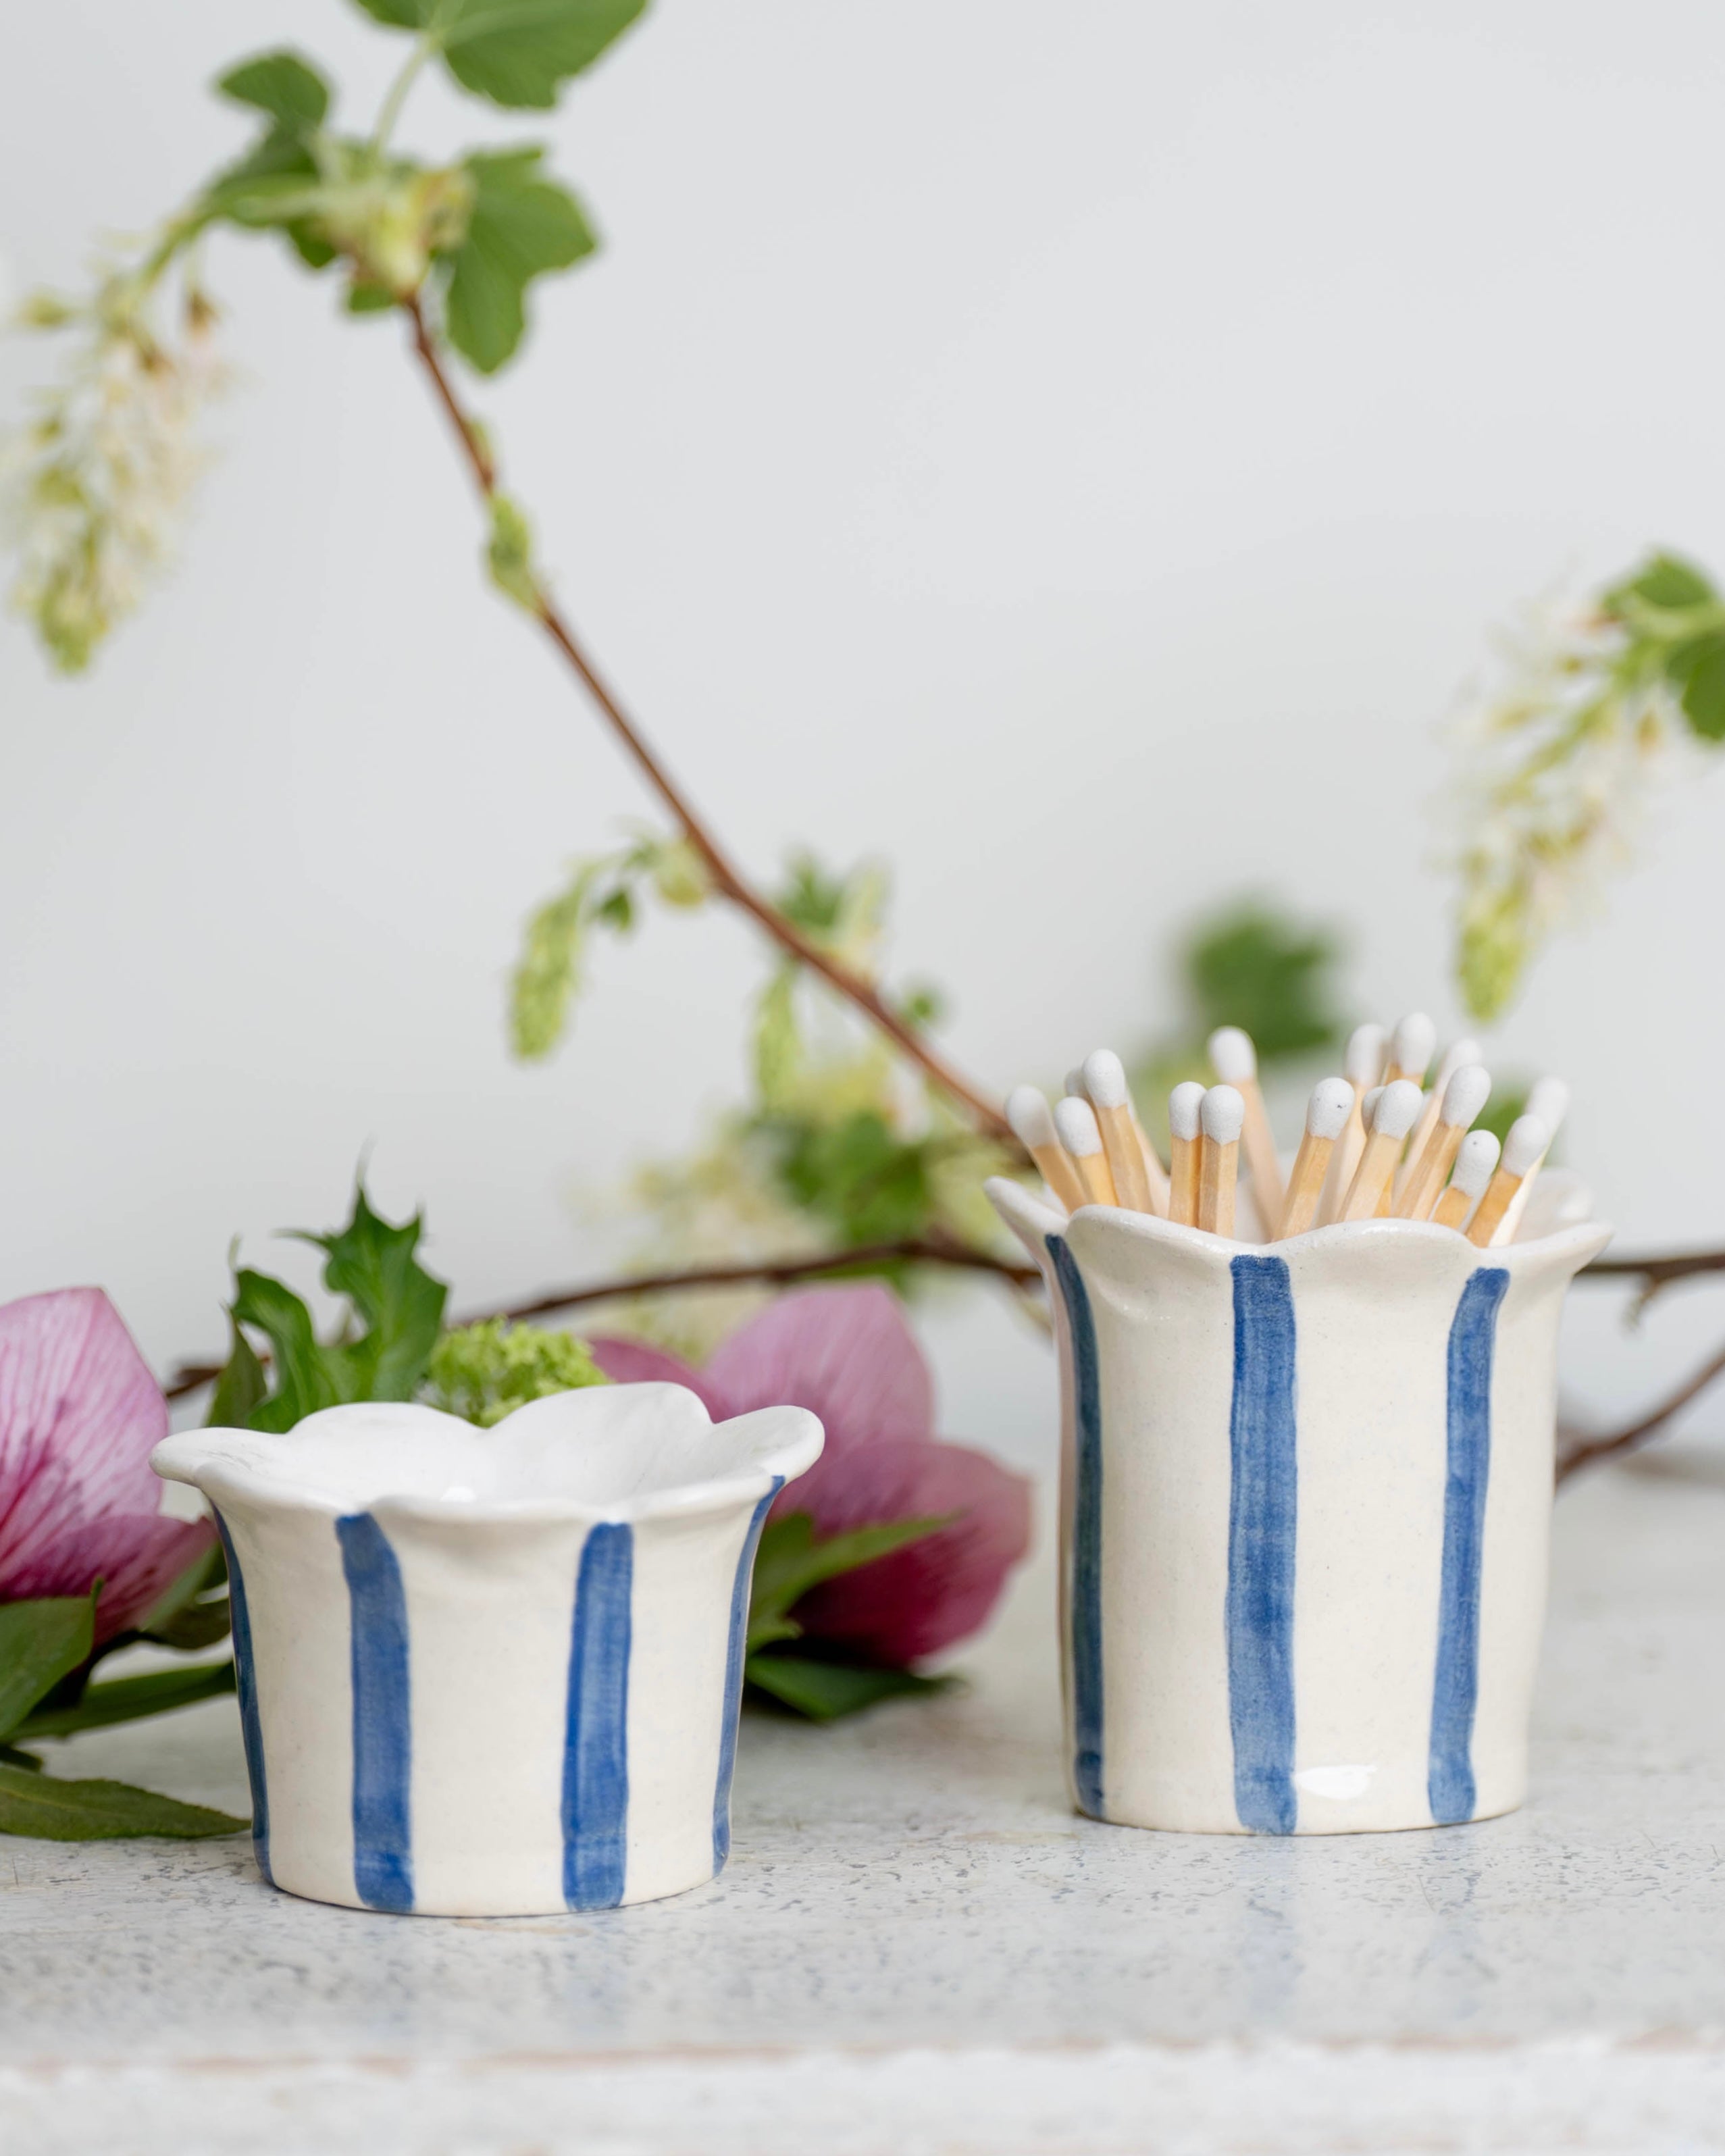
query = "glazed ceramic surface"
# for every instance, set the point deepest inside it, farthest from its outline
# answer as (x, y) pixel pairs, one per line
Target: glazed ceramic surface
(494, 1672)
(1305, 1508)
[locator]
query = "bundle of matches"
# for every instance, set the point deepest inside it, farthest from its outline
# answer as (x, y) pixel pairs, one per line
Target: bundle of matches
(1376, 1144)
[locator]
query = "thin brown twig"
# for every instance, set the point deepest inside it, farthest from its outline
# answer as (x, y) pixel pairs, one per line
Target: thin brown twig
(728, 880)
(1589, 1451)
(772, 1272)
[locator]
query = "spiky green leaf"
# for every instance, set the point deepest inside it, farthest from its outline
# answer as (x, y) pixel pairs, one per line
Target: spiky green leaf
(517, 53)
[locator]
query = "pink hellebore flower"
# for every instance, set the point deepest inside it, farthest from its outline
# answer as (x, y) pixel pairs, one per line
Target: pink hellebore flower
(78, 1413)
(847, 1353)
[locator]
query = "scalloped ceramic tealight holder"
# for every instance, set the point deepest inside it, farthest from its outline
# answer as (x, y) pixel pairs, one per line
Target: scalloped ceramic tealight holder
(494, 1672)
(1306, 1505)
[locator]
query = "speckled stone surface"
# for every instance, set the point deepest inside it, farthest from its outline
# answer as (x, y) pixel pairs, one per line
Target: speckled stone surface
(916, 1948)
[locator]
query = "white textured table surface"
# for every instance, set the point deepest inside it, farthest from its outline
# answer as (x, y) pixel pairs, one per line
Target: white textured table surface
(916, 1948)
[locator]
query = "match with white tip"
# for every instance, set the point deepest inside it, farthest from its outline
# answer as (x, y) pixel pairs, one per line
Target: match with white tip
(1474, 1166)
(1221, 1119)
(1454, 1057)
(1185, 1112)
(1411, 1048)
(1104, 1077)
(1523, 1150)
(1362, 1067)
(1032, 1122)
(1076, 1121)
(1393, 1114)
(1466, 1095)
(1326, 1114)
(1549, 1101)
(1235, 1059)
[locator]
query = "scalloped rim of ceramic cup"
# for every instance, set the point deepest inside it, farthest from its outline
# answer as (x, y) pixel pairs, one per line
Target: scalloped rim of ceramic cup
(1024, 1212)
(771, 1445)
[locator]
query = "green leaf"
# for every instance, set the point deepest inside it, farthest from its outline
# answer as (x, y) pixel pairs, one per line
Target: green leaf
(194, 1612)
(283, 84)
(40, 1643)
(1698, 670)
(517, 53)
(242, 1384)
(825, 1690)
(306, 1378)
(373, 1264)
(28, 1760)
(99, 1811)
(778, 1044)
(521, 225)
(1665, 582)
(1252, 966)
(858, 1176)
(509, 555)
(129, 1699)
(549, 974)
(790, 1560)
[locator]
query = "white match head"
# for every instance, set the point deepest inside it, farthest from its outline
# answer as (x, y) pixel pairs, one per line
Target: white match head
(1364, 1062)
(1185, 1107)
(1458, 1054)
(1104, 1080)
(1528, 1138)
(1368, 1107)
(1076, 1121)
(1223, 1115)
(1398, 1109)
(1328, 1109)
(1475, 1162)
(1074, 1084)
(1549, 1101)
(1026, 1112)
(1466, 1093)
(1411, 1045)
(1232, 1055)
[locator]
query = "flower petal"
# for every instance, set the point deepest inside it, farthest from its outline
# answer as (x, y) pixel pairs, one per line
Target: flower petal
(633, 1362)
(846, 1353)
(136, 1556)
(933, 1591)
(78, 1413)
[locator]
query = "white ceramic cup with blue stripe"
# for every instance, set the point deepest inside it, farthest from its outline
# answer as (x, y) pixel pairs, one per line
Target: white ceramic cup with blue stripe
(494, 1672)
(1305, 1509)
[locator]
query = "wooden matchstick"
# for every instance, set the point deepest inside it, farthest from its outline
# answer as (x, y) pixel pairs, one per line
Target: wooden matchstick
(1220, 1120)
(1326, 1114)
(1104, 1082)
(1410, 1049)
(1466, 1095)
(1185, 1107)
(1362, 1066)
(1075, 1123)
(1549, 1101)
(1457, 1054)
(1236, 1065)
(1474, 1164)
(1033, 1126)
(1523, 1150)
(1393, 1116)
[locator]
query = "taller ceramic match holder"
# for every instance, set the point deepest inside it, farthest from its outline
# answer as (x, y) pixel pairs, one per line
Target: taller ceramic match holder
(494, 1672)
(1305, 1508)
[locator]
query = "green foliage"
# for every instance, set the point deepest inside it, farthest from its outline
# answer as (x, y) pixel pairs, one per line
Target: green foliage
(604, 892)
(517, 53)
(484, 1371)
(824, 1691)
(193, 1613)
(859, 1176)
(283, 85)
(1252, 966)
(398, 1305)
(509, 555)
(521, 226)
(129, 1699)
(1558, 759)
(37, 1803)
(40, 1643)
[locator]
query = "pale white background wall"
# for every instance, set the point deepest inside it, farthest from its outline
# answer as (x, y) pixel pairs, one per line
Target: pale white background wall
(989, 430)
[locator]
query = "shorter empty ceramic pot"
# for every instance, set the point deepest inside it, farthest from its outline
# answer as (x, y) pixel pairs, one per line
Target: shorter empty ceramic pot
(494, 1672)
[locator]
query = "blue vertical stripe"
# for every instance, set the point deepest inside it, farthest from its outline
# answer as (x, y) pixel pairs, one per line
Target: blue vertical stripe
(1086, 1558)
(1261, 1518)
(738, 1640)
(383, 1733)
(596, 1743)
(1473, 1336)
(245, 1673)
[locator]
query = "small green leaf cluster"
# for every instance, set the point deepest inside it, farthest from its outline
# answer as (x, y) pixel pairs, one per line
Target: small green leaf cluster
(485, 1371)
(47, 1654)
(793, 1558)
(1673, 619)
(470, 236)
(605, 892)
